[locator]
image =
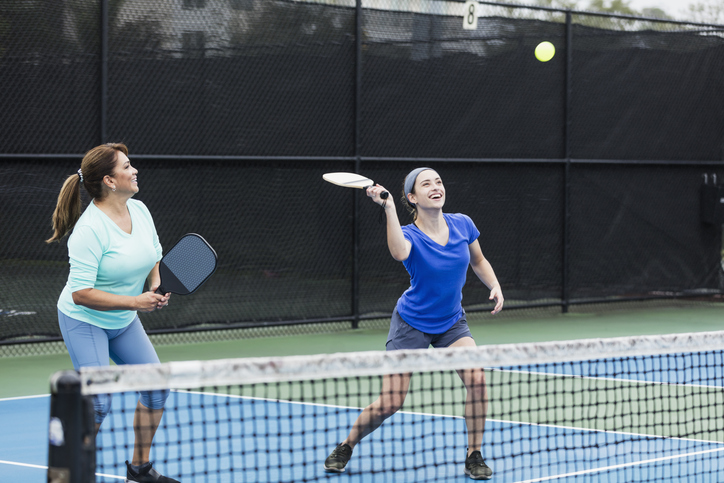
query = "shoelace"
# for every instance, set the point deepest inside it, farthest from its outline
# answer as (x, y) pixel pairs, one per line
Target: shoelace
(342, 450)
(476, 459)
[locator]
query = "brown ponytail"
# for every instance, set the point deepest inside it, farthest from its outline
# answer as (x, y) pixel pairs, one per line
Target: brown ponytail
(97, 163)
(67, 211)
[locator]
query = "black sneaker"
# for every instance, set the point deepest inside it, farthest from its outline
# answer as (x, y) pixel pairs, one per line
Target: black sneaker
(476, 468)
(339, 458)
(145, 474)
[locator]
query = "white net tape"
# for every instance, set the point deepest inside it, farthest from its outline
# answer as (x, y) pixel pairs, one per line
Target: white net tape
(195, 374)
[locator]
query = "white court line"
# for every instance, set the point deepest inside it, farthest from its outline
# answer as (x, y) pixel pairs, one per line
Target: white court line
(39, 467)
(614, 467)
(115, 477)
(26, 465)
(503, 421)
(612, 379)
(535, 480)
(23, 397)
(15, 463)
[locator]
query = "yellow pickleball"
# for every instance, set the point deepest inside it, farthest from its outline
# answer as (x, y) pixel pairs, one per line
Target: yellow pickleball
(545, 51)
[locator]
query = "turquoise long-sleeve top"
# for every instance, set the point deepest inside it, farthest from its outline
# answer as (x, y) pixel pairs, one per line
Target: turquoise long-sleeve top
(104, 257)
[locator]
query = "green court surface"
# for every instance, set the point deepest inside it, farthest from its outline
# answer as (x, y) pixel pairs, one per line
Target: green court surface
(29, 375)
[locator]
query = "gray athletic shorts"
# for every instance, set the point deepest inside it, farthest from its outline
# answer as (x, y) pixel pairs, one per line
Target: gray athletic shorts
(402, 336)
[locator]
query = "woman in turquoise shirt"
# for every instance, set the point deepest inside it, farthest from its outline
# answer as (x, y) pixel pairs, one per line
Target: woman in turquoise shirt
(436, 250)
(113, 251)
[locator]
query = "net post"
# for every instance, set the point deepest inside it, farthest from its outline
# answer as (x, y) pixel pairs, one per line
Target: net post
(71, 432)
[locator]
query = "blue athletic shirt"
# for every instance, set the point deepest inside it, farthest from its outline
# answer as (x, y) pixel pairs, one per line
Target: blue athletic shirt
(432, 304)
(104, 257)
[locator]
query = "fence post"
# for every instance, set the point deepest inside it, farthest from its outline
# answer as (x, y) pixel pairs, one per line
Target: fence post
(565, 282)
(358, 160)
(71, 431)
(104, 72)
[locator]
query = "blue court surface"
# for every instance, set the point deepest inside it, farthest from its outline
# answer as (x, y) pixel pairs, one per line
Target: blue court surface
(222, 438)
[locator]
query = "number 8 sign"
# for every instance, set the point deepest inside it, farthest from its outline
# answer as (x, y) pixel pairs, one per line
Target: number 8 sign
(470, 18)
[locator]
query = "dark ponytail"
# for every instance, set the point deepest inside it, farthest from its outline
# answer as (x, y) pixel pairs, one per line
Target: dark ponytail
(67, 210)
(97, 163)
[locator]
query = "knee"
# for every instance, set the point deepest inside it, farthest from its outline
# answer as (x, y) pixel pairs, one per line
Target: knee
(154, 399)
(386, 407)
(101, 405)
(476, 382)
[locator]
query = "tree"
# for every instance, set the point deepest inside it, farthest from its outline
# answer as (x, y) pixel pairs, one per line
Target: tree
(706, 11)
(620, 7)
(655, 13)
(563, 4)
(611, 6)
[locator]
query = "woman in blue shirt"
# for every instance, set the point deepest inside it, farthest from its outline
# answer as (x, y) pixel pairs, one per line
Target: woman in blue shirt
(113, 251)
(436, 251)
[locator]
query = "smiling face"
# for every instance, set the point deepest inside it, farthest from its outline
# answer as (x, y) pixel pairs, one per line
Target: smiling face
(429, 191)
(124, 178)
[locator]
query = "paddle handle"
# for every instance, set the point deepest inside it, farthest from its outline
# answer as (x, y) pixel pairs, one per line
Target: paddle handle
(383, 195)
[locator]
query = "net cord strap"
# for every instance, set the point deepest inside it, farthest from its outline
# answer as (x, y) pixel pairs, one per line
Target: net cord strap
(189, 374)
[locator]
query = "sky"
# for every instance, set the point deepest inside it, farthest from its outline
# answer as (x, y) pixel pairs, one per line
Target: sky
(675, 9)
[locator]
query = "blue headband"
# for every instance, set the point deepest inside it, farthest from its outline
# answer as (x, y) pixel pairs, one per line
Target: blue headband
(410, 181)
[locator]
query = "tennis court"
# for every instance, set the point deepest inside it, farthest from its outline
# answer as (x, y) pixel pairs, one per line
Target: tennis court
(617, 419)
(583, 173)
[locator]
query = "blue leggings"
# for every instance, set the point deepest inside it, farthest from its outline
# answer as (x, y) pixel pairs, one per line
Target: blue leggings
(91, 346)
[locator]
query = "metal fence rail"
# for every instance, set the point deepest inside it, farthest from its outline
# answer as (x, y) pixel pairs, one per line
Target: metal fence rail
(583, 173)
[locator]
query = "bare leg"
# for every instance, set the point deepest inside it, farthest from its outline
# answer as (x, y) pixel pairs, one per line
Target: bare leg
(145, 424)
(392, 396)
(476, 401)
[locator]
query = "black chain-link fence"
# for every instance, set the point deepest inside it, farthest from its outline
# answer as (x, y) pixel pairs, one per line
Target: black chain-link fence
(582, 173)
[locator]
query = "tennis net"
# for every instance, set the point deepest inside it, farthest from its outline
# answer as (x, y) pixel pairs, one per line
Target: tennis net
(647, 408)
